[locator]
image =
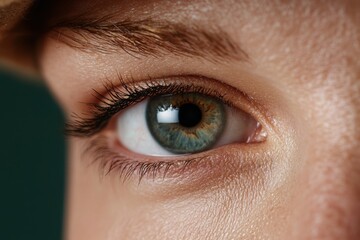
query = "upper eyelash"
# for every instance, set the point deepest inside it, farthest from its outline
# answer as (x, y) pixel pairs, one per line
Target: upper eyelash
(127, 93)
(117, 98)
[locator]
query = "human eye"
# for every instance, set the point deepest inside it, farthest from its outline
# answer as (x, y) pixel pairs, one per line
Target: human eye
(184, 123)
(159, 127)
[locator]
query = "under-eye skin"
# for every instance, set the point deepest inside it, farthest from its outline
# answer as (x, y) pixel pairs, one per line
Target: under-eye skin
(153, 127)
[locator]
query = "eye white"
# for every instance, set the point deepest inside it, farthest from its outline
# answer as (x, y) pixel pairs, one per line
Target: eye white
(133, 133)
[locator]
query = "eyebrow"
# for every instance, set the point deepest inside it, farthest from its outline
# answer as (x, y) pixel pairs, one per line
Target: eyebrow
(148, 37)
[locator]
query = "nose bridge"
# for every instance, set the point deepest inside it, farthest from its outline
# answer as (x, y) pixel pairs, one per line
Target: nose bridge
(327, 194)
(328, 199)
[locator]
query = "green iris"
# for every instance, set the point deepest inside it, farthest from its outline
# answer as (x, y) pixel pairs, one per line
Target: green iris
(185, 123)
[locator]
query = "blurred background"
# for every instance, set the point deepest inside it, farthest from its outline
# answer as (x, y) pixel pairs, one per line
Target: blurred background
(32, 161)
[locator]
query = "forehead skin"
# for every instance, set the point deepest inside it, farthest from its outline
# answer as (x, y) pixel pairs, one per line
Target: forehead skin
(303, 67)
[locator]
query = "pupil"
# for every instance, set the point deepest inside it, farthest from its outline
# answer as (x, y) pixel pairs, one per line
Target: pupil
(189, 115)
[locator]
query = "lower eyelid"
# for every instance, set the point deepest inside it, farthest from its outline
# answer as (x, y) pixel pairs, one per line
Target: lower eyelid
(237, 159)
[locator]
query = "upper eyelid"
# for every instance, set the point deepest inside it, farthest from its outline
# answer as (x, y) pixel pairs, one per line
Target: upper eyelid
(110, 160)
(116, 97)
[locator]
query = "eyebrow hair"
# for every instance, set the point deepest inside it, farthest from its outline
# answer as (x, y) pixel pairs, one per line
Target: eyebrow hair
(148, 37)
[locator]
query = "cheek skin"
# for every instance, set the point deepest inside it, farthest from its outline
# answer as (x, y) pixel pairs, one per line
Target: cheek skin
(118, 210)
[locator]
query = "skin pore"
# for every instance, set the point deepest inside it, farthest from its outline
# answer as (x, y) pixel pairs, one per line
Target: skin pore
(296, 66)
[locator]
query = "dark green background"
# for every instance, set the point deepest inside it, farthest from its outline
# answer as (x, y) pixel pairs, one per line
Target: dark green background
(32, 161)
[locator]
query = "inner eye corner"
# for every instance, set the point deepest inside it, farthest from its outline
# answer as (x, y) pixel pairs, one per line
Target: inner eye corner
(134, 94)
(128, 126)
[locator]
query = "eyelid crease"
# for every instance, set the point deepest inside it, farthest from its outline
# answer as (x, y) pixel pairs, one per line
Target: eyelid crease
(128, 92)
(100, 146)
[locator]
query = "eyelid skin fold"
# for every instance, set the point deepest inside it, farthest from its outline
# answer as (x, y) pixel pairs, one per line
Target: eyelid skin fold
(96, 127)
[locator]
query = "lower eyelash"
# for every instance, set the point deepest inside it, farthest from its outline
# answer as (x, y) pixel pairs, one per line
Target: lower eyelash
(116, 98)
(125, 167)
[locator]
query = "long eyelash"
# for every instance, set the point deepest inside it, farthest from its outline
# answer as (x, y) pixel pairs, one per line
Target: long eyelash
(120, 97)
(110, 161)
